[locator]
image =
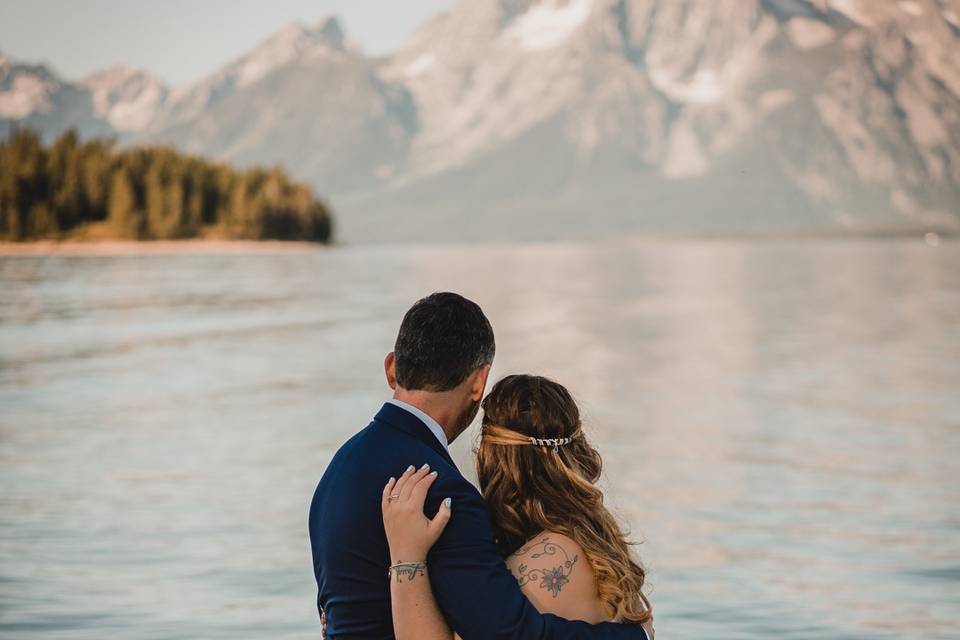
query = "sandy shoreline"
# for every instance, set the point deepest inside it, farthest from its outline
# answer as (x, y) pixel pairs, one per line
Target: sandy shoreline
(154, 247)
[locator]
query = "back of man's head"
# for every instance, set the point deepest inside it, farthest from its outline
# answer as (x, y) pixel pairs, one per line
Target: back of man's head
(442, 340)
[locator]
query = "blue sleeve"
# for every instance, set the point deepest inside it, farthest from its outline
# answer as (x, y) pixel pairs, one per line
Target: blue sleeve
(478, 595)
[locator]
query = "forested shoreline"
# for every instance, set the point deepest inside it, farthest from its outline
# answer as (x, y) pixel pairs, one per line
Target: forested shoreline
(77, 189)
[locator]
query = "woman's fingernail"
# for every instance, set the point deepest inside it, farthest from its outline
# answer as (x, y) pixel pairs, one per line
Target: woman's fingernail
(392, 479)
(446, 502)
(433, 473)
(424, 467)
(410, 468)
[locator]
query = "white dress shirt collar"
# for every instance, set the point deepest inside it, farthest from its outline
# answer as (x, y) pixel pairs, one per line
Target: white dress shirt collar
(432, 424)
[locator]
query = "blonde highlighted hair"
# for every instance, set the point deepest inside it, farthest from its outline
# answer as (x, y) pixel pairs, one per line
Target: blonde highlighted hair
(537, 473)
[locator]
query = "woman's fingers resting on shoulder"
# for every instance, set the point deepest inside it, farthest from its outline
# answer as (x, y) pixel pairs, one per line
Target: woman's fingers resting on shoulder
(410, 533)
(412, 481)
(403, 479)
(387, 492)
(417, 498)
(418, 493)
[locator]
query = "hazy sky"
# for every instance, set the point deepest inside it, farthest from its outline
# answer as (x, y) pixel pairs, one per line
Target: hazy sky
(183, 40)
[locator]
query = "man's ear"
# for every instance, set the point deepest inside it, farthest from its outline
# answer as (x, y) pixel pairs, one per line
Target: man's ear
(390, 368)
(479, 383)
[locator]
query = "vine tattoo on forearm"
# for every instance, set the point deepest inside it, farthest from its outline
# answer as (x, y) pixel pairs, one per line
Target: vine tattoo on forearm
(410, 570)
(550, 579)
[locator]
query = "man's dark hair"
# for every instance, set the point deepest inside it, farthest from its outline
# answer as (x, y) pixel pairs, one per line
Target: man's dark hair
(443, 339)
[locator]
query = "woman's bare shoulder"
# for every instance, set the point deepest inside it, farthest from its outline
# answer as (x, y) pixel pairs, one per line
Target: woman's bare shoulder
(555, 575)
(546, 551)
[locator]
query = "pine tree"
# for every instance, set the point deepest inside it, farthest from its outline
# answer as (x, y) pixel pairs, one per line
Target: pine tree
(155, 199)
(125, 217)
(176, 226)
(9, 212)
(63, 166)
(96, 172)
(28, 160)
(194, 199)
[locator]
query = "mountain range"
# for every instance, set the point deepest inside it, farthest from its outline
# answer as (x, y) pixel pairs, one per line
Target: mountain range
(572, 118)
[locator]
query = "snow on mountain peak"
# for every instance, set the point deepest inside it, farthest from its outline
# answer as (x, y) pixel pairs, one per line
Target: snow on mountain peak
(911, 8)
(25, 88)
(127, 97)
(704, 87)
(421, 64)
(27, 94)
(547, 24)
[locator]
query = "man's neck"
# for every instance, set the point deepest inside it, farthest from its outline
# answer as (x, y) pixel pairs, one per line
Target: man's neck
(433, 406)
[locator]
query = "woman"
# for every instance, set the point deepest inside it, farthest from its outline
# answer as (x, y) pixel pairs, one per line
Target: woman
(537, 473)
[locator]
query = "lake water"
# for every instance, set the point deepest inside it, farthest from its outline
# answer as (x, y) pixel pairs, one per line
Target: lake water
(780, 422)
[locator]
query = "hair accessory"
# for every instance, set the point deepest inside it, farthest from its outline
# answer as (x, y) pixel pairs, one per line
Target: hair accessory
(551, 442)
(503, 435)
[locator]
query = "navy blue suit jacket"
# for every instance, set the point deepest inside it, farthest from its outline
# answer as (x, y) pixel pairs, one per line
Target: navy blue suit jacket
(476, 592)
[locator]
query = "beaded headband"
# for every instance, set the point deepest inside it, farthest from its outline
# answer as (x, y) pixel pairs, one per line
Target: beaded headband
(508, 436)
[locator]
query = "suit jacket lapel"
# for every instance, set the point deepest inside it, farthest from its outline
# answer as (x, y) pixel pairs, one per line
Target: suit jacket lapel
(402, 419)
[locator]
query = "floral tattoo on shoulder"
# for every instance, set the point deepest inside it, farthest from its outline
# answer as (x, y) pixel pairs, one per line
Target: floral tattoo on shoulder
(552, 579)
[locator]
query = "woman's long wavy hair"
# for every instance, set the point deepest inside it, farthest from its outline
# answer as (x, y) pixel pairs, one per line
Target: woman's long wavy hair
(530, 488)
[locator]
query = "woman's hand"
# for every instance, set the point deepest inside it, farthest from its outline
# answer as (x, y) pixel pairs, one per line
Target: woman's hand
(409, 532)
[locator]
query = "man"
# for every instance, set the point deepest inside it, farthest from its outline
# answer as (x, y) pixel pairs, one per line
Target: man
(438, 371)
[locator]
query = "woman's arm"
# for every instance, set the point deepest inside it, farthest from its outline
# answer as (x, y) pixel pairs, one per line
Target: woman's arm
(410, 535)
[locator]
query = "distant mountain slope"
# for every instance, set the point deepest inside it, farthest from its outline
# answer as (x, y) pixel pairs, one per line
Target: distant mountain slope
(705, 115)
(287, 46)
(560, 118)
(32, 95)
(304, 99)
